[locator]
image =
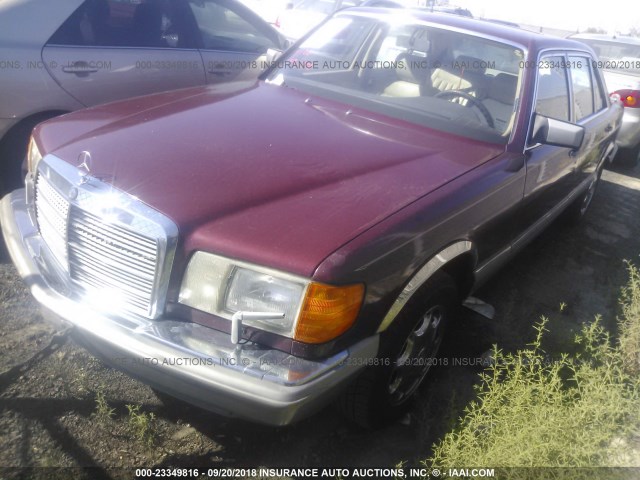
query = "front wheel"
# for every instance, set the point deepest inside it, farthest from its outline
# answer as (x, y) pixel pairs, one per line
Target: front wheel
(384, 391)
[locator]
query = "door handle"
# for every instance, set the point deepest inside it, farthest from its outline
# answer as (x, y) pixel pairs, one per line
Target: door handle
(79, 68)
(608, 128)
(220, 73)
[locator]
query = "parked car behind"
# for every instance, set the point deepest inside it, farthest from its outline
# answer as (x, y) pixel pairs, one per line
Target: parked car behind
(395, 159)
(619, 59)
(68, 54)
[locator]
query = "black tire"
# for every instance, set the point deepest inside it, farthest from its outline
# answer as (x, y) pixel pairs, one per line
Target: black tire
(384, 392)
(4, 253)
(578, 209)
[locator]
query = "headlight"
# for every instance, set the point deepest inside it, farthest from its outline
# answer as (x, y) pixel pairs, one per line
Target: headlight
(251, 291)
(313, 312)
(33, 156)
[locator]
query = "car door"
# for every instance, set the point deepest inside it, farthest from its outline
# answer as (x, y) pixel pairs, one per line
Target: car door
(233, 40)
(113, 49)
(591, 110)
(551, 170)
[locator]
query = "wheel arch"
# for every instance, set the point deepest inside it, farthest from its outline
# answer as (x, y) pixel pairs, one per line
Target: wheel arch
(10, 167)
(456, 260)
(33, 119)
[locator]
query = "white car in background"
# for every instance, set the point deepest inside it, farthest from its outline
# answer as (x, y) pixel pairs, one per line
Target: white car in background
(619, 60)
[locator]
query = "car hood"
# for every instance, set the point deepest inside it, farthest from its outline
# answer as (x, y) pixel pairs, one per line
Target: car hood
(259, 172)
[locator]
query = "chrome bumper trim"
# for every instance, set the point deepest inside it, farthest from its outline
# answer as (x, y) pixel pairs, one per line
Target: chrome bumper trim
(189, 361)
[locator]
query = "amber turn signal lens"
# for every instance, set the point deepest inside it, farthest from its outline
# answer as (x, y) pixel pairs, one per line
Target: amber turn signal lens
(328, 312)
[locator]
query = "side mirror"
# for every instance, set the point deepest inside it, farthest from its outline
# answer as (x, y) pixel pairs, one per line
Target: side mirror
(549, 131)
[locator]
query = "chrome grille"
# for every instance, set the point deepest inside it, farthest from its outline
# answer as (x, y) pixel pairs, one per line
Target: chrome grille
(112, 260)
(52, 210)
(101, 243)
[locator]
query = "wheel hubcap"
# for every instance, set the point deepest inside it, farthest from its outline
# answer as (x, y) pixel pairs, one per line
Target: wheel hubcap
(415, 357)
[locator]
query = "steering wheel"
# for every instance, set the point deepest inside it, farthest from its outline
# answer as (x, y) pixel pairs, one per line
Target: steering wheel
(472, 100)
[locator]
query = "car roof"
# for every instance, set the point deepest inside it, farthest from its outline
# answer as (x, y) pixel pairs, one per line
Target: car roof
(32, 22)
(607, 38)
(525, 38)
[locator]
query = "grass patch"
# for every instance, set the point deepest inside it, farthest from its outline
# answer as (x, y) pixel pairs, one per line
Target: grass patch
(630, 323)
(579, 410)
(143, 425)
(103, 411)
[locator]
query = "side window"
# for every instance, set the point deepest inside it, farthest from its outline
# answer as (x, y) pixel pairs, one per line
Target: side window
(226, 26)
(553, 94)
(581, 81)
(127, 23)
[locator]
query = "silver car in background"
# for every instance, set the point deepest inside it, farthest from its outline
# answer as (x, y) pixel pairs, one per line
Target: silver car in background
(63, 55)
(619, 59)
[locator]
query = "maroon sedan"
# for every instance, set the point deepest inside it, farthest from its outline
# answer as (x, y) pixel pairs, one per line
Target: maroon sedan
(262, 248)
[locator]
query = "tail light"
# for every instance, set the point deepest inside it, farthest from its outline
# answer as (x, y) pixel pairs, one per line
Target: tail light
(629, 98)
(277, 24)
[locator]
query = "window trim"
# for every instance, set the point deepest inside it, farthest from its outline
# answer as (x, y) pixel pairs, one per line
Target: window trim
(593, 100)
(546, 55)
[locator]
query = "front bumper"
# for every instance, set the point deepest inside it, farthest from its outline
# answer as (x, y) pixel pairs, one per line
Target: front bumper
(186, 360)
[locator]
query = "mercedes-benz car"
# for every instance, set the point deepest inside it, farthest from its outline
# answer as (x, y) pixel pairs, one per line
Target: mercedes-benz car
(262, 248)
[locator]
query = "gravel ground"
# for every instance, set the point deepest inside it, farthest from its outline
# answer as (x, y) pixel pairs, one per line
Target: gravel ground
(60, 407)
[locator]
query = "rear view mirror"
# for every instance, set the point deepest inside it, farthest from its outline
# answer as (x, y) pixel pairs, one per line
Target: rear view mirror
(549, 131)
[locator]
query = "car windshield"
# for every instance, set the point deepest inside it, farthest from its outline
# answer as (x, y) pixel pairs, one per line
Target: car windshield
(619, 56)
(398, 66)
